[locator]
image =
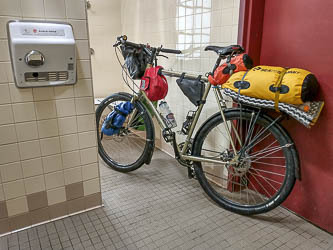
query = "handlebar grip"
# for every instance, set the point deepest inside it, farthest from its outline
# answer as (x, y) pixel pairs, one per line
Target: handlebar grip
(134, 45)
(171, 51)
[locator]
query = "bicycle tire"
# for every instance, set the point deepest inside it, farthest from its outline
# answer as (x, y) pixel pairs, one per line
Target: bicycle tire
(209, 183)
(146, 124)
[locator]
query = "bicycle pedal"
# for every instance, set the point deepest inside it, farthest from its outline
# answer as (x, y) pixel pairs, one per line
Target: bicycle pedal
(191, 173)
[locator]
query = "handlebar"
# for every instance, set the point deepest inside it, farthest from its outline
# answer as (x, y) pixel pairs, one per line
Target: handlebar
(123, 40)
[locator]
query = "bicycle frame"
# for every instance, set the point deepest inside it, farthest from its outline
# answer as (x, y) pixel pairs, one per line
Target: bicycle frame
(221, 104)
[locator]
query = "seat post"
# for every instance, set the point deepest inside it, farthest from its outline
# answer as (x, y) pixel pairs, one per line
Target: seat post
(218, 61)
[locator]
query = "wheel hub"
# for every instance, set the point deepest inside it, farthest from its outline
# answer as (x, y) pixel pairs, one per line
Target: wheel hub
(236, 166)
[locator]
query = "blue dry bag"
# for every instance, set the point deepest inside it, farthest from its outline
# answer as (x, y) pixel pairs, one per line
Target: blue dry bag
(114, 121)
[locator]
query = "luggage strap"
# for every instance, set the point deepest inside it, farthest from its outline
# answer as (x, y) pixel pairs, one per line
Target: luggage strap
(277, 87)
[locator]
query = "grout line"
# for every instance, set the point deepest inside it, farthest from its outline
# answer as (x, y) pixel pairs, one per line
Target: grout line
(52, 220)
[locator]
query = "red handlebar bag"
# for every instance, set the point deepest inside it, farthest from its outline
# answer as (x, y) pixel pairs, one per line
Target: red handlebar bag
(154, 84)
(241, 62)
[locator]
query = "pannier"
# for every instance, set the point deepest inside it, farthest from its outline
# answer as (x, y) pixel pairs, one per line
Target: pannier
(292, 86)
(241, 62)
(135, 60)
(115, 120)
(154, 83)
(192, 89)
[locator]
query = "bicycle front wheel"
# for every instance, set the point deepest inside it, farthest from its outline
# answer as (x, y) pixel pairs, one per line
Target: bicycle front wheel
(134, 144)
(262, 175)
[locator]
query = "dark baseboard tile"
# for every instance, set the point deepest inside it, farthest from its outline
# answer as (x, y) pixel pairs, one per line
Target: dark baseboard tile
(37, 200)
(74, 191)
(39, 215)
(19, 221)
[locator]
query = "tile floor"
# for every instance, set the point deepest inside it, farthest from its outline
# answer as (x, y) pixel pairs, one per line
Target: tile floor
(157, 207)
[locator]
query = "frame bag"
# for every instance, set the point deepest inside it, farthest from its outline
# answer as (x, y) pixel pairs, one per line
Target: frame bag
(192, 89)
(154, 84)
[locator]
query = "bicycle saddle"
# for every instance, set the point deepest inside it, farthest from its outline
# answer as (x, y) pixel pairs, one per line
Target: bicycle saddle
(225, 51)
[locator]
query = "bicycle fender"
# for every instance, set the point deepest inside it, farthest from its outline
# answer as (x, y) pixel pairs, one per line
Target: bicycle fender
(270, 119)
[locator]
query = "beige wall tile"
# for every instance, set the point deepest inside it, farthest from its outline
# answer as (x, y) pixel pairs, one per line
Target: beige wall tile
(84, 105)
(71, 159)
(56, 195)
(69, 142)
(86, 123)
(14, 189)
(9, 71)
(90, 171)
(83, 88)
(9, 153)
(79, 28)
(27, 131)
(91, 187)
(20, 95)
(54, 180)
(46, 110)
(73, 175)
(6, 114)
(55, 9)
(2, 194)
(63, 92)
(88, 155)
(7, 134)
(50, 146)
(82, 49)
(4, 94)
(4, 51)
(43, 94)
(87, 139)
(10, 8)
(48, 128)
(65, 107)
(52, 163)
(11, 171)
(34, 184)
(3, 34)
(17, 206)
(32, 167)
(83, 69)
(32, 8)
(76, 9)
(29, 150)
(67, 125)
(24, 112)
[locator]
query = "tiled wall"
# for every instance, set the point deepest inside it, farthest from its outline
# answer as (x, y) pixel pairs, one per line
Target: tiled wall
(48, 154)
(188, 25)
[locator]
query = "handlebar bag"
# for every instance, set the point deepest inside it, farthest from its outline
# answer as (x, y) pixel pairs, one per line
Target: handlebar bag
(291, 86)
(154, 84)
(115, 120)
(192, 89)
(238, 63)
(135, 61)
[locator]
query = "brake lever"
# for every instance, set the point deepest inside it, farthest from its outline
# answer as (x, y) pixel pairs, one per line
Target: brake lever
(164, 56)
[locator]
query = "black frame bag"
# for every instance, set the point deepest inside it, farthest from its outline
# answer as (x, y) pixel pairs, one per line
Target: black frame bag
(192, 89)
(135, 60)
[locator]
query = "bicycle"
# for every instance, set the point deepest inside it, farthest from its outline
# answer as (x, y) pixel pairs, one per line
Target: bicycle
(242, 157)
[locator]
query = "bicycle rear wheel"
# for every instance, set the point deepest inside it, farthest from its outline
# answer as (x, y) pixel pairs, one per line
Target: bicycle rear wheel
(134, 144)
(262, 178)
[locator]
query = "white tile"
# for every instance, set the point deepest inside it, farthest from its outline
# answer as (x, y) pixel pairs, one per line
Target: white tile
(82, 49)
(32, 167)
(52, 163)
(3, 67)
(4, 94)
(79, 28)
(65, 107)
(11, 171)
(90, 171)
(32, 8)
(86, 123)
(55, 9)
(83, 88)
(91, 186)
(71, 159)
(56, 195)
(20, 95)
(34, 184)
(83, 69)
(54, 180)
(69, 142)
(7, 134)
(3, 28)
(17, 206)
(29, 150)
(84, 105)
(48, 128)
(45, 110)
(88, 155)
(10, 8)
(50, 146)
(9, 153)
(26, 131)
(43, 93)
(61, 92)
(6, 114)
(87, 139)
(76, 9)
(73, 175)
(2, 194)
(4, 51)
(67, 125)
(14, 189)
(24, 112)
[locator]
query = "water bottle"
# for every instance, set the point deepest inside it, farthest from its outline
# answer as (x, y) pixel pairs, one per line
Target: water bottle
(167, 115)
